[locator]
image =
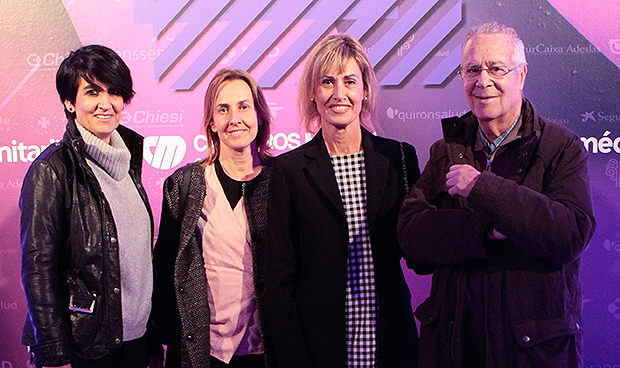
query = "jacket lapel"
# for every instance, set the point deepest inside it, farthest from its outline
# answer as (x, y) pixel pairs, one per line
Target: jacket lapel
(193, 206)
(320, 170)
(377, 168)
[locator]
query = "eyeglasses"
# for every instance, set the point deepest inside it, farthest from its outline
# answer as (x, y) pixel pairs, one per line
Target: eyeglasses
(495, 71)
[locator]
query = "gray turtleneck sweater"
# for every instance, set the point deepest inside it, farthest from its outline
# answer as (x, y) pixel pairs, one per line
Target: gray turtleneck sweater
(110, 163)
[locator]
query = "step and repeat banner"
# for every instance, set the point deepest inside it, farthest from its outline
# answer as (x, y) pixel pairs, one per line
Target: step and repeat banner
(173, 48)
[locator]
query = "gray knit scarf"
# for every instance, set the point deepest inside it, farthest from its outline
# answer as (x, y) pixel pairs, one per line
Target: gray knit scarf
(113, 158)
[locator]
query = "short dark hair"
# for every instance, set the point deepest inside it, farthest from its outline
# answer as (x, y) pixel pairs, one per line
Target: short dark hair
(93, 63)
(263, 113)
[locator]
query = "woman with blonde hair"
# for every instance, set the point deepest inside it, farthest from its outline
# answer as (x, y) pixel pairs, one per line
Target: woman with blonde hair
(208, 256)
(336, 293)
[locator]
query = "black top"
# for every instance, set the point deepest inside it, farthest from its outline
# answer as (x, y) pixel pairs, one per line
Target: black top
(232, 188)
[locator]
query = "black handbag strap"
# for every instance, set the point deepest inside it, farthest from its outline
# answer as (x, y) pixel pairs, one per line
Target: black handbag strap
(402, 156)
(185, 189)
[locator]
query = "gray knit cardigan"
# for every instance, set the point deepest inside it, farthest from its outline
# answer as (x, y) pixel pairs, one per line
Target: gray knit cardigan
(180, 304)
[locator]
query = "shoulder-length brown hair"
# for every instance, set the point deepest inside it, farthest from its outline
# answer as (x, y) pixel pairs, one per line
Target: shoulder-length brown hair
(333, 52)
(260, 104)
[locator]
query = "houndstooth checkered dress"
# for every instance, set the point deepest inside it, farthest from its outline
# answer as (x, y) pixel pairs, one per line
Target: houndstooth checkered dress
(361, 303)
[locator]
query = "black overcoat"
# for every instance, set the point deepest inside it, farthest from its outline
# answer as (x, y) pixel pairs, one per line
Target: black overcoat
(306, 256)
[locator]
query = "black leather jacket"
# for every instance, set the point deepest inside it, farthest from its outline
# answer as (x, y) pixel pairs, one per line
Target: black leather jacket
(69, 251)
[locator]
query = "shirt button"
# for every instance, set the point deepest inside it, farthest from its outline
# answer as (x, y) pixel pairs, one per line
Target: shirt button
(117, 341)
(181, 289)
(190, 337)
(113, 240)
(117, 290)
(577, 326)
(526, 338)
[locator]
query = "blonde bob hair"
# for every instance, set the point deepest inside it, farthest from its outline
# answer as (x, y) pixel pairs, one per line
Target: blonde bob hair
(260, 104)
(333, 53)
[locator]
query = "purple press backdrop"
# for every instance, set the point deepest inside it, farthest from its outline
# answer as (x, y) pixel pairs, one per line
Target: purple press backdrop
(173, 48)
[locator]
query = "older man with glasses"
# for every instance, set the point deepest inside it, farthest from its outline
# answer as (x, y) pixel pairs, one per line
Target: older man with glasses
(500, 217)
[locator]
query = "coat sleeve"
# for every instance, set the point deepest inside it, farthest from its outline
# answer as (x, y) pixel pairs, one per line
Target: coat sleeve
(555, 224)
(42, 236)
(280, 274)
(433, 229)
(165, 312)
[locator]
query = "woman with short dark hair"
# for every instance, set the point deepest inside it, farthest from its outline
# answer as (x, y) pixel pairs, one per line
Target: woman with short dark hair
(86, 226)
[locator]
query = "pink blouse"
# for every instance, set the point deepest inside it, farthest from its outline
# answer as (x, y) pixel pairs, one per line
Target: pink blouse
(228, 263)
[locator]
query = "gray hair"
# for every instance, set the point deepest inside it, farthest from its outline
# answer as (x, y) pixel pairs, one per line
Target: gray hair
(518, 49)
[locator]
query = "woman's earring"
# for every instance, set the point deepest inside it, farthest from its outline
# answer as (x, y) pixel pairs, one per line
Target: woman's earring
(70, 109)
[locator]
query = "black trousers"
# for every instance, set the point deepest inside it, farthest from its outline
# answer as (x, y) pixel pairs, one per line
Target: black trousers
(241, 361)
(131, 354)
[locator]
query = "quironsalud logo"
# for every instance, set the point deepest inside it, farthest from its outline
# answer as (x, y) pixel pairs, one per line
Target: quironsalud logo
(395, 114)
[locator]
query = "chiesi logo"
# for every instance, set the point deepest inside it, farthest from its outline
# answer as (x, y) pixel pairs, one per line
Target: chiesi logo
(164, 152)
(51, 59)
(152, 117)
(21, 152)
